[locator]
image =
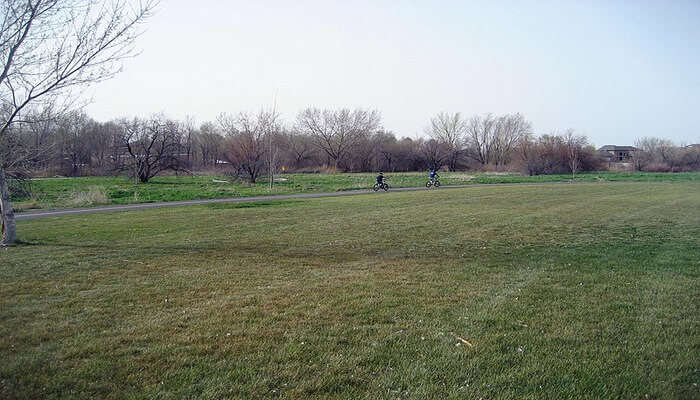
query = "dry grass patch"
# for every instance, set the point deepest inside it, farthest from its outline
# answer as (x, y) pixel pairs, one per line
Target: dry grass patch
(94, 195)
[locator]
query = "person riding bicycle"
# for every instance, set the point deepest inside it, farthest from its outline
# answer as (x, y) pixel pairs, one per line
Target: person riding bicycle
(380, 178)
(433, 174)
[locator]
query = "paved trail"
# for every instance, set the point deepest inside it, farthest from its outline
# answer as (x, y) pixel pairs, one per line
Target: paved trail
(74, 211)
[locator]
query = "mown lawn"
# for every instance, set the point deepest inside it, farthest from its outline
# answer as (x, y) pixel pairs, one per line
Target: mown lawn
(93, 191)
(535, 292)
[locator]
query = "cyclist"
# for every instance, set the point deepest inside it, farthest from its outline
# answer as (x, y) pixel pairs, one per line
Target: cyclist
(380, 179)
(433, 174)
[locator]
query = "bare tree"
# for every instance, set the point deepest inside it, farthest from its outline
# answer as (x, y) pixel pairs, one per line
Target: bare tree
(662, 154)
(449, 130)
(528, 152)
(31, 144)
(152, 145)
(49, 47)
(210, 144)
(74, 141)
(493, 140)
(558, 153)
(691, 157)
(408, 155)
(510, 130)
(434, 153)
(574, 149)
(271, 129)
(671, 154)
(189, 138)
(337, 132)
(647, 150)
(100, 140)
(480, 133)
(384, 143)
(248, 141)
(300, 148)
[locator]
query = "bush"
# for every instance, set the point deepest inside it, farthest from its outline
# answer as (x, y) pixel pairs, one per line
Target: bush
(657, 167)
(19, 188)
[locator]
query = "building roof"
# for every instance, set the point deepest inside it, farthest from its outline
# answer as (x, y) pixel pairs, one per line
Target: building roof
(612, 147)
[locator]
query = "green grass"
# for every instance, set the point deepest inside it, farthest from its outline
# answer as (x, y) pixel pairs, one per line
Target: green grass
(564, 291)
(79, 192)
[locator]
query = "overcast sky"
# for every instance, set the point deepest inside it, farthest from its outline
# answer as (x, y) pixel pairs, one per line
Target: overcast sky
(614, 71)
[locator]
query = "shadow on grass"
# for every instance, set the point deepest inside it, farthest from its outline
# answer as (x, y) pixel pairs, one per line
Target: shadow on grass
(23, 243)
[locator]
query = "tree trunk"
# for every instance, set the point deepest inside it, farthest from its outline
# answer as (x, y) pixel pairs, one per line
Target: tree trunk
(7, 214)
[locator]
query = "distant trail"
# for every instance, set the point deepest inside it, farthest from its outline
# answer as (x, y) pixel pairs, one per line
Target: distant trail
(75, 211)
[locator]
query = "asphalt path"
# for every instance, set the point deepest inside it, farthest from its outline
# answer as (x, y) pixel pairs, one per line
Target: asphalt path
(37, 214)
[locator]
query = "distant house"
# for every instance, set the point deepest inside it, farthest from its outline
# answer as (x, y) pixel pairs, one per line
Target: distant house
(617, 154)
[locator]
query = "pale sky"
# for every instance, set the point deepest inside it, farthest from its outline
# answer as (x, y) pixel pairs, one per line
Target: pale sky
(612, 70)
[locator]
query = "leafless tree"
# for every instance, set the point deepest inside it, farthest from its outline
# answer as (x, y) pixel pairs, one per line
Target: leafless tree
(50, 47)
(510, 130)
(100, 140)
(658, 154)
(32, 144)
(271, 127)
(574, 149)
(492, 140)
(337, 132)
(528, 153)
(480, 134)
(691, 157)
(407, 155)
(248, 141)
(434, 153)
(449, 130)
(384, 144)
(557, 153)
(190, 134)
(300, 149)
(152, 145)
(210, 144)
(74, 136)
(671, 154)
(647, 150)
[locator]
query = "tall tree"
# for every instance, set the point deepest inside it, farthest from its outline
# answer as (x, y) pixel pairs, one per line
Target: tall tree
(74, 141)
(336, 132)
(300, 149)
(510, 130)
(574, 149)
(152, 145)
(449, 129)
(249, 141)
(492, 139)
(481, 131)
(48, 48)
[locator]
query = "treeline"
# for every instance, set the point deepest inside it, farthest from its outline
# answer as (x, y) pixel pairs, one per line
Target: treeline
(249, 145)
(662, 155)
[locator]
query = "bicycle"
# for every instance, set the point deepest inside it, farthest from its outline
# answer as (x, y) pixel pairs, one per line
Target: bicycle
(384, 186)
(433, 183)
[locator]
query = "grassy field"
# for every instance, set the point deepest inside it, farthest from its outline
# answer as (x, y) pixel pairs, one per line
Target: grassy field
(584, 291)
(92, 191)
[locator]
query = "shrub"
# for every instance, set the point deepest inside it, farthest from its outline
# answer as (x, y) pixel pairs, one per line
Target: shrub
(658, 167)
